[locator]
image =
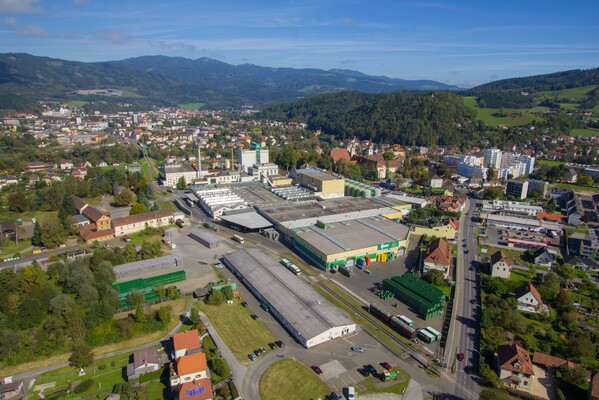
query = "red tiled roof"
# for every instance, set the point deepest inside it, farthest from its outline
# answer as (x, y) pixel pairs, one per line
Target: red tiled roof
(191, 364)
(549, 361)
(187, 340)
(594, 386)
(509, 354)
(93, 213)
(338, 154)
(545, 216)
(78, 203)
(528, 287)
(439, 252)
(144, 217)
(198, 389)
(89, 235)
(454, 224)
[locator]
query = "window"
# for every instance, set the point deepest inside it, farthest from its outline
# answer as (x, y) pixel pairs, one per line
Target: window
(525, 383)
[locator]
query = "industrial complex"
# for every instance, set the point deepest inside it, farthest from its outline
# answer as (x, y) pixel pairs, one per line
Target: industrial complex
(308, 316)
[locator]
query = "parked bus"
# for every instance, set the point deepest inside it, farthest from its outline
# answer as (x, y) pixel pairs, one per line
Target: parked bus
(295, 269)
(238, 239)
(406, 320)
(285, 262)
(433, 332)
(427, 337)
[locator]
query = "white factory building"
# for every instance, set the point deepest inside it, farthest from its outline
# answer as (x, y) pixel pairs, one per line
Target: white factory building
(249, 158)
(308, 316)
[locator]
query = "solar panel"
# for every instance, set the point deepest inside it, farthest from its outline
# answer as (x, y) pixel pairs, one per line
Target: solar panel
(195, 391)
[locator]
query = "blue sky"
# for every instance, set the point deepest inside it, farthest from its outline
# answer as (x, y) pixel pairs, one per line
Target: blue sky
(459, 42)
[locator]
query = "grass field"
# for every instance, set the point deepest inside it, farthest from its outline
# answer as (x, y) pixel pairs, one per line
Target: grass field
(549, 163)
(568, 106)
(290, 379)
(514, 117)
(577, 188)
(239, 331)
(132, 95)
(77, 103)
(148, 167)
(520, 276)
(585, 132)
(573, 93)
(191, 106)
(374, 385)
(166, 205)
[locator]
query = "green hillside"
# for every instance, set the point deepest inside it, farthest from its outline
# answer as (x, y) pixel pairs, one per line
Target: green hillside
(504, 116)
(576, 93)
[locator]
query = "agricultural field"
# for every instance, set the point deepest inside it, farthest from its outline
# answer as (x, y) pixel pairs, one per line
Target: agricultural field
(290, 379)
(237, 328)
(573, 93)
(589, 132)
(77, 103)
(191, 106)
(503, 116)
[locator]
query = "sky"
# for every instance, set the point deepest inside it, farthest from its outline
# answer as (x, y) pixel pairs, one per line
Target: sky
(461, 42)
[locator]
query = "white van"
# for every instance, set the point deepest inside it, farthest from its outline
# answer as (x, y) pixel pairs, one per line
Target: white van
(351, 393)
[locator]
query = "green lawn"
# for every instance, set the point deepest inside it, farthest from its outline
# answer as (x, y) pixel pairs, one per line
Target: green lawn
(155, 390)
(374, 385)
(166, 205)
(568, 106)
(191, 106)
(10, 248)
(519, 276)
(513, 117)
(585, 132)
(105, 374)
(470, 101)
(133, 95)
(290, 379)
(77, 103)
(549, 163)
(573, 93)
(239, 331)
(577, 188)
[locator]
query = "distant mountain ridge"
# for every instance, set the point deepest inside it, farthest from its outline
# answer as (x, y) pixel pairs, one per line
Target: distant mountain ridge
(546, 82)
(167, 81)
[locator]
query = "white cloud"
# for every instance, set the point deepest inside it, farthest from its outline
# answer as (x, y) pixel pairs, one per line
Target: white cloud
(10, 21)
(19, 6)
(113, 37)
(31, 31)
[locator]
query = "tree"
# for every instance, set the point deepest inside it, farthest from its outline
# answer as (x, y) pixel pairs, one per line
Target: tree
(489, 376)
(138, 208)
(565, 271)
(135, 298)
(82, 355)
(53, 234)
(181, 184)
(576, 376)
(194, 316)
(17, 202)
(67, 208)
(163, 315)
(124, 197)
(140, 315)
(493, 394)
(388, 155)
(435, 277)
(216, 298)
(493, 193)
(563, 299)
(36, 239)
(581, 347)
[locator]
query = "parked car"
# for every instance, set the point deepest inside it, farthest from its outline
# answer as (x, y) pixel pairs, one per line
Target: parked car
(358, 349)
(461, 357)
(254, 317)
(386, 365)
(280, 343)
(263, 350)
(257, 352)
(316, 369)
(272, 345)
(370, 369)
(244, 303)
(252, 356)
(336, 396)
(363, 371)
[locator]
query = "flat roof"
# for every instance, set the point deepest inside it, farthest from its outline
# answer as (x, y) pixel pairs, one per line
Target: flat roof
(249, 220)
(174, 169)
(320, 175)
(352, 234)
(511, 220)
(308, 312)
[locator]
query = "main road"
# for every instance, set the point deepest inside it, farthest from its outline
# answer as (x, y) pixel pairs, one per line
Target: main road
(464, 331)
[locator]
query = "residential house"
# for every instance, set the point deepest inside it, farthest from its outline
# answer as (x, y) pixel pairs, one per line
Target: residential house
(8, 180)
(102, 164)
(515, 367)
(447, 231)
(200, 389)
(529, 299)
(135, 223)
(79, 173)
(100, 218)
(501, 265)
(435, 182)
(378, 163)
(339, 154)
(543, 257)
(594, 387)
(188, 368)
(144, 361)
(39, 166)
(186, 343)
(438, 257)
(65, 164)
(11, 390)
(548, 361)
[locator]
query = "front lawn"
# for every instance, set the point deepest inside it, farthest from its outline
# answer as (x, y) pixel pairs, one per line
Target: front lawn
(240, 332)
(290, 379)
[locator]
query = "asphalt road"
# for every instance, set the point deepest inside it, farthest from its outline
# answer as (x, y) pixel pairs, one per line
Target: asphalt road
(464, 333)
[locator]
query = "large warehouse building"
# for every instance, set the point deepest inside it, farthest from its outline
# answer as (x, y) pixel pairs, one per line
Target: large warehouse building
(308, 316)
(324, 185)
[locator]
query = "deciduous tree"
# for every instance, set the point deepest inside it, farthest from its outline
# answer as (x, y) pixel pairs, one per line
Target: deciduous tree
(81, 356)
(138, 208)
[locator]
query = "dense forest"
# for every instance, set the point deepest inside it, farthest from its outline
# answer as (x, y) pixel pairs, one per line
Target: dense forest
(408, 118)
(539, 83)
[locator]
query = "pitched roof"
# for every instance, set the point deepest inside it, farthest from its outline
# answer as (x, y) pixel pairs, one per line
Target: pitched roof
(454, 223)
(500, 256)
(93, 213)
(191, 364)
(545, 216)
(438, 252)
(542, 251)
(526, 288)
(147, 355)
(338, 154)
(88, 232)
(78, 203)
(549, 361)
(594, 386)
(510, 354)
(140, 218)
(198, 389)
(187, 340)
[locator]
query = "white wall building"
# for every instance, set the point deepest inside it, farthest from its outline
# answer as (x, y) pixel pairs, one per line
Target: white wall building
(173, 173)
(472, 170)
(247, 158)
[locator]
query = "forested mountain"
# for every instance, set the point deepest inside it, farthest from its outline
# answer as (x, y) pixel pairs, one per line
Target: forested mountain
(539, 83)
(165, 81)
(409, 118)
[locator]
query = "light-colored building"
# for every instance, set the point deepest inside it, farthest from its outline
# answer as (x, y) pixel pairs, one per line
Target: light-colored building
(501, 265)
(325, 185)
(492, 158)
(447, 231)
(144, 361)
(188, 368)
(529, 299)
(472, 171)
(172, 174)
(515, 366)
(438, 257)
(435, 182)
(135, 223)
(263, 169)
(256, 155)
(186, 343)
(512, 206)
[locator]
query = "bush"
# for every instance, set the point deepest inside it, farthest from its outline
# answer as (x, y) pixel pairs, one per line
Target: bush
(150, 376)
(84, 386)
(233, 388)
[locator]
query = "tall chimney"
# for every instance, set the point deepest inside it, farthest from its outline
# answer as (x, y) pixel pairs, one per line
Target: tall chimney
(232, 159)
(199, 162)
